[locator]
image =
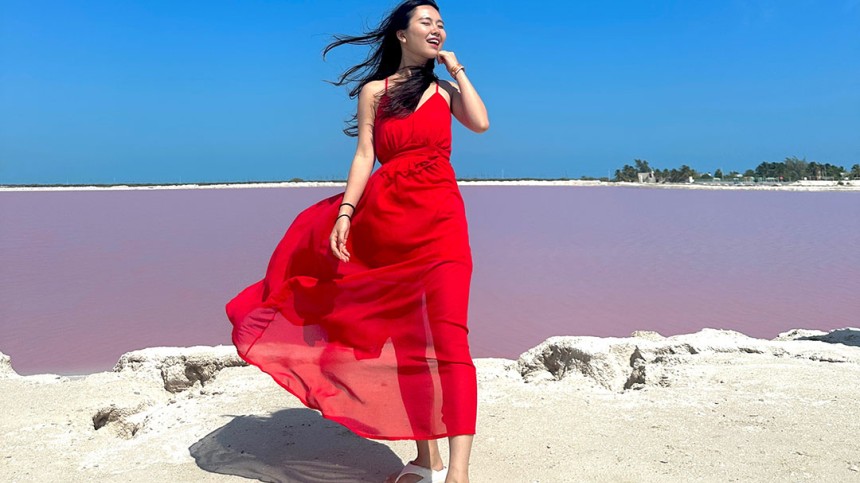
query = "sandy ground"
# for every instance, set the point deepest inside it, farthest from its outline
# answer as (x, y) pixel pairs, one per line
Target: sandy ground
(711, 406)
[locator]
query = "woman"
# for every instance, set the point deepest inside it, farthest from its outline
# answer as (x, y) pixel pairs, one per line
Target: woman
(362, 312)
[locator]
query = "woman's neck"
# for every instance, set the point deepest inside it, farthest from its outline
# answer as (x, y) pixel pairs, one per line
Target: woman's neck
(403, 73)
(406, 62)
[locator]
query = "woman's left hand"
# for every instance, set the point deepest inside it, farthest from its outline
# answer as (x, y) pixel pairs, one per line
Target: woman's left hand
(447, 58)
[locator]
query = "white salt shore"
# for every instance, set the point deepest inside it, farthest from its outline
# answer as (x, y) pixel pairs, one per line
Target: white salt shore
(853, 185)
(715, 405)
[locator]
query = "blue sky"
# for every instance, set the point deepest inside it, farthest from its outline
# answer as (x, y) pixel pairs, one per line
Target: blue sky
(161, 91)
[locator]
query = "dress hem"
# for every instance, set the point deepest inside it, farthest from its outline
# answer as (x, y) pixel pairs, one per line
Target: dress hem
(342, 423)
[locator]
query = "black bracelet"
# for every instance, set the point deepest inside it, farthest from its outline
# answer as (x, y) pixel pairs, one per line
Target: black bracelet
(350, 218)
(349, 204)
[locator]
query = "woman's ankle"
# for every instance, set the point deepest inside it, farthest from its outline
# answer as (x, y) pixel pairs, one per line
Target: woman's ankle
(433, 462)
(428, 455)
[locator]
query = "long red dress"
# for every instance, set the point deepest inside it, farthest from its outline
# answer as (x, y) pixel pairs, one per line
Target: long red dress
(378, 344)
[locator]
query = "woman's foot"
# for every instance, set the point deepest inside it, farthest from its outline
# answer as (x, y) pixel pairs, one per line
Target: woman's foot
(411, 478)
(455, 476)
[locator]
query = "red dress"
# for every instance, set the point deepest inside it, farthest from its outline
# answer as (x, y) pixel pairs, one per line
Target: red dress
(379, 343)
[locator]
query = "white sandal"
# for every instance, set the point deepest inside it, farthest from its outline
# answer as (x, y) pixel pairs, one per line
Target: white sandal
(427, 475)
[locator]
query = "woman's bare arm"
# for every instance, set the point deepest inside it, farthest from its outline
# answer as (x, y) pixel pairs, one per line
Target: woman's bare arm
(466, 104)
(359, 171)
(362, 161)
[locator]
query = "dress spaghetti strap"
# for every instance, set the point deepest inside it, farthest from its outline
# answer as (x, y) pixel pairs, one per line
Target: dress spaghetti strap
(437, 88)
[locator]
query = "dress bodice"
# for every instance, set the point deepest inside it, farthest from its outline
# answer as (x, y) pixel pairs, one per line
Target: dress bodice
(426, 132)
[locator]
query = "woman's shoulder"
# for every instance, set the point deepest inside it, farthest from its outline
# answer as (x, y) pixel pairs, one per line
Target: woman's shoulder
(450, 89)
(373, 88)
(449, 85)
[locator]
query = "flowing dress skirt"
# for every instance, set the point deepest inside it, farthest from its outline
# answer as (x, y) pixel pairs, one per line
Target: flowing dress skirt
(379, 343)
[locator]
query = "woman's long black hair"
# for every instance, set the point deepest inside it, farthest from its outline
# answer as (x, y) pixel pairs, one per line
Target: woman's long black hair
(383, 61)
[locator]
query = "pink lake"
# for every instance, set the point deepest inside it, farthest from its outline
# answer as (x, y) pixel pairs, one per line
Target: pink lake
(89, 275)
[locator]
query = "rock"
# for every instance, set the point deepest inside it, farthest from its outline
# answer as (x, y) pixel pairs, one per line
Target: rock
(180, 368)
(125, 422)
(607, 361)
(714, 340)
(647, 334)
(637, 378)
(847, 336)
(795, 334)
(6, 369)
(619, 364)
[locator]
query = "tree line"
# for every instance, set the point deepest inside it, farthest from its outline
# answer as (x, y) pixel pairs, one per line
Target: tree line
(791, 169)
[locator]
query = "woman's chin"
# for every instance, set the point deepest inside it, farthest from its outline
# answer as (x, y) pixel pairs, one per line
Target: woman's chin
(431, 53)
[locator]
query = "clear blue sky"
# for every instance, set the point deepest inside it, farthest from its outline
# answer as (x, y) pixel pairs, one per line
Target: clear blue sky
(163, 91)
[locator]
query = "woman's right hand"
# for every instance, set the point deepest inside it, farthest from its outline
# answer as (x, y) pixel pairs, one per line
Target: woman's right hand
(338, 238)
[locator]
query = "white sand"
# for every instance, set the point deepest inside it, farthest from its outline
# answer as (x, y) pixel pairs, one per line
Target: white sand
(711, 406)
(796, 186)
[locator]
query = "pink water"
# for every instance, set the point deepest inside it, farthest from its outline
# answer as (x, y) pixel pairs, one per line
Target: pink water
(88, 275)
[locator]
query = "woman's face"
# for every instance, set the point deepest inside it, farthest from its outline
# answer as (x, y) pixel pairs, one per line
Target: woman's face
(425, 34)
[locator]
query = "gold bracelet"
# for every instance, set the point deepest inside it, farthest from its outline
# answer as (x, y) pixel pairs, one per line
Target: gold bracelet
(456, 71)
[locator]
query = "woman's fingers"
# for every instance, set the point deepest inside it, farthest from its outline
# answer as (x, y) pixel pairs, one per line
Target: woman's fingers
(337, 239)
(342, 249)
(446, 57)
(343, 235)
(334, 245)
(338, 247)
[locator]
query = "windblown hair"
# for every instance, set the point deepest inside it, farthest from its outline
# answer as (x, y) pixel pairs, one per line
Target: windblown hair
(383, 61)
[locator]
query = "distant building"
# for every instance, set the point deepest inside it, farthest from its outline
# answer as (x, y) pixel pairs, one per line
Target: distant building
(647, 177)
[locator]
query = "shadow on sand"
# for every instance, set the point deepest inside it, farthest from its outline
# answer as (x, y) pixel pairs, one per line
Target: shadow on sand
(293, 445)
